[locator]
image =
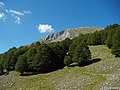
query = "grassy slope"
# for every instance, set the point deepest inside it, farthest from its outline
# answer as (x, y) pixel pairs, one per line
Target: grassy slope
(97, 76)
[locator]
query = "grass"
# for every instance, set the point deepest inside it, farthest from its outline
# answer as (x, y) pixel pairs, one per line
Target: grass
(96, 76)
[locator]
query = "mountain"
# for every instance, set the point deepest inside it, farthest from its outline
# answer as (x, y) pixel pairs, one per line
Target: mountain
(69, 33)
(65, 65)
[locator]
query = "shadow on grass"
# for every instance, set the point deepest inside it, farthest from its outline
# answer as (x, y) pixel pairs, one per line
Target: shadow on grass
(41, 72)
(34, 72)
(85, 63)
(89, 62)
(117, 56)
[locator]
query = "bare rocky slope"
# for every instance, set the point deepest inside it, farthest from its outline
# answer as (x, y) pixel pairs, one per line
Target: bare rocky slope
(70, 33)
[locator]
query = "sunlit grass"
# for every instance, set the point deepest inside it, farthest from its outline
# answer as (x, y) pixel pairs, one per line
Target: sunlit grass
(90, 77)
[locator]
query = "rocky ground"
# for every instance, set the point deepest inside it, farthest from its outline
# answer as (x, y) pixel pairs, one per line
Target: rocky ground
(102, 75)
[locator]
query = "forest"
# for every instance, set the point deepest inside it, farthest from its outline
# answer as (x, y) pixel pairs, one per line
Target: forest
(47, 57)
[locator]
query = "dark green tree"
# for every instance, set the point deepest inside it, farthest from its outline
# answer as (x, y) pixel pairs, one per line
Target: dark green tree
(30, 54)
(116, 43)
(110, 33)
(65, 45)
(58, 53)
(10, 60)
(96, 38)
(1, 69)
(21, 65)
(67, 60)
(108, 41)
(43, 59)
(72, 49)
(89, 41)
(103, 34)
(21, 50)
(37, 44)
(80, 38)
(111, 26)
(82, 53)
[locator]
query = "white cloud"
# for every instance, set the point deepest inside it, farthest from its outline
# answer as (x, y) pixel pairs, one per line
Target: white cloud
(27, 12)
(43, 28)
(14, 12)
(1, 4)
(2, 16)
(17, 14)
(17, 19)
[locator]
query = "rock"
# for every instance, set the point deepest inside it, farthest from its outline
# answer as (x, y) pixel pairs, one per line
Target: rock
(69, 33)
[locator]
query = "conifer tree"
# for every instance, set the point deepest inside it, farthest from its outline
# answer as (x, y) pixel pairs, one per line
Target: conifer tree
(116, 43)
(30, 54)
(108, 41)
(82, 53)
(96, 38)
(110, 33)
(37, 44)
(1, 69)
(67, 60)
(103, 34)
(10, 60)
(89, 42)
(21, 65)
(43, 59)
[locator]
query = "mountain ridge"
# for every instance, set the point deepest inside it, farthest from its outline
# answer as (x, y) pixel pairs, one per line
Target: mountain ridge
(68, 33)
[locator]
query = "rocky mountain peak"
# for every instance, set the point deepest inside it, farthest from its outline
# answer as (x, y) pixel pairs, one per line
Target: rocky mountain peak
(69, 33)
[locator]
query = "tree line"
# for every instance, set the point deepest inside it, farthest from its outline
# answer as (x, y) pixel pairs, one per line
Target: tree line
(52, 56)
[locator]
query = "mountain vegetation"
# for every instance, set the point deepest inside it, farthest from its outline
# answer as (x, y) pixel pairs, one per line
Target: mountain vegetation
(102, 74)
(47, 57)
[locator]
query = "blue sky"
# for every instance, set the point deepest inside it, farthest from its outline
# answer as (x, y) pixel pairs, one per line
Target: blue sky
(25, 21)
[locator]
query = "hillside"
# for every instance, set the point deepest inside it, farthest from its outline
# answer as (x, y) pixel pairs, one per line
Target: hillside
(102, 75)
(70, 33)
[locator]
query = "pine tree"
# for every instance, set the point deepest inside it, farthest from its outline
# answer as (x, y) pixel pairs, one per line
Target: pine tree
(30, 54)
(67, 60)
(10, 59)
(103, 34)
(82, 53)
(108, 41)
(43, 59)
(88, 42)
(116, 43)
(72, 49)
(1, 69)
(110, 33)
(37, 44)
(96, 38)
(21, 65)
